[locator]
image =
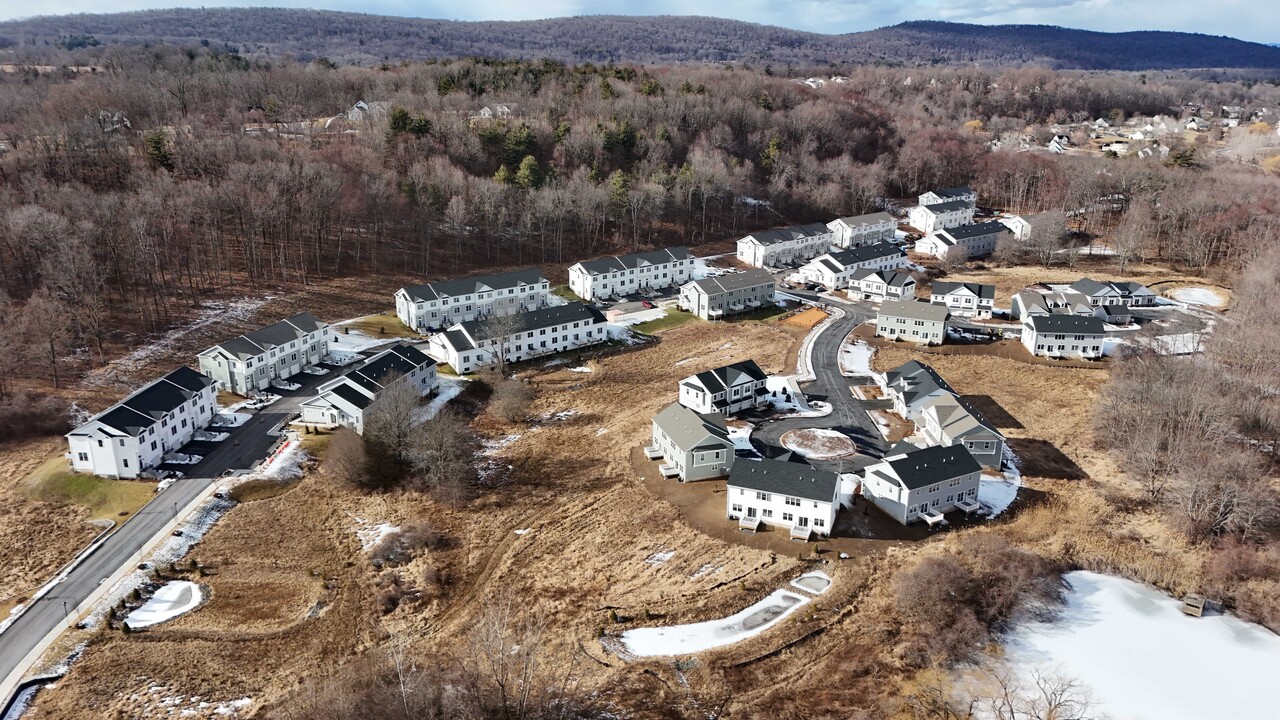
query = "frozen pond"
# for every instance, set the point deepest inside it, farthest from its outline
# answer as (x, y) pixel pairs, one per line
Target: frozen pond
(814, 582)
(1142, 659)
(697, 637)
(170, 601)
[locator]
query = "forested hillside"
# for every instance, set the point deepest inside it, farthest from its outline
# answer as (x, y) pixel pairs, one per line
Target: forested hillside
(365, 39)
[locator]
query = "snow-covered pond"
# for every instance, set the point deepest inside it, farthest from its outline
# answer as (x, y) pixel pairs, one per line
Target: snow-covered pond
(1198, 296)
(1142, 659)
(697, 637)
(174, 599)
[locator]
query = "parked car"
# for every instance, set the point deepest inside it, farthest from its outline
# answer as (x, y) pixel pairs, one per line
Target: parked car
(646, 303)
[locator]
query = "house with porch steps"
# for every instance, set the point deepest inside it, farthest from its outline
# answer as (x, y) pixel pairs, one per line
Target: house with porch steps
(691, 445)
(790, 495)
(729, 389)
(912, 483)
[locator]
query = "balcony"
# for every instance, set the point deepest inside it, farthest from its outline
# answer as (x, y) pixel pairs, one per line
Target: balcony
(653, 452)
(801, 533)
(669, 470)
(933, 518)
(749, 523)
(968, 506)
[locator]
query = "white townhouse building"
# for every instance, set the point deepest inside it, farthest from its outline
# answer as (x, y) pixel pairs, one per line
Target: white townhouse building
(785, 246)
(919, 322)
(1127, 294)
(834, 270)
(1064, 336)
(1029, 302)
(473, 344)
(729, 389)
(1018, 225)
(880, 285)
(629, 274)
(964, 299)
(344, 401)
(951, 420)
(913, 483)
(251, 361)
(715, 297)
(440, 304)
(783, 494)
(692, 445)
(132, 436)
(862, 229)
(963, 193)
(939, 216)
(974, 241)
(912, 385)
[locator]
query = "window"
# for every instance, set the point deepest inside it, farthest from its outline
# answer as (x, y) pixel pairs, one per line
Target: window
(793, 501)
(819, 522)
(766, 513)
(121, 442)
(762, 496)
(788, 517)
(126, 462)
(737, 508)
(153, 444)
(99, 443)
(84, 457)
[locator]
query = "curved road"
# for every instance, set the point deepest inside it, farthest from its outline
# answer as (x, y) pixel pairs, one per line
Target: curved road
(848, 413)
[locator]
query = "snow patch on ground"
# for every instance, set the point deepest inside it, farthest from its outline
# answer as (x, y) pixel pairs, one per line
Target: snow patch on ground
(705, 570)
(855, 360)
(697, 637)
(1130, 644)
(582, 369)
(818, 443)
(640, 316)
(181, 459)
(816, 582)
(448, 389)
(741, 437)
(370, 534)
(522, 531)
(602, 431)
(230, 419)
(175, 598)
(207, 436)
(353, 342)
(660, 557)
(1198, 296)
(995, 495)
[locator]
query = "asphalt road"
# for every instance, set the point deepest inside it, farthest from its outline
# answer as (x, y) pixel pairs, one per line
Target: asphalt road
(848, 413)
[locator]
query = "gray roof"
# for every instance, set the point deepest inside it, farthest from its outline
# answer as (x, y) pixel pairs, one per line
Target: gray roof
(691, 430)
(475, 284)
(722, 378)
(931, 465)
(1094, 288)
(788, 234)
(733, 281)
(913, 310)
(145, 407)
(252, 344)
(785, 478)
(635, 260)
(865, 253)
(353, 396)
(954, 192)
(399, 358)
(892, 278)
(986, 292)
(948, 206)
(869, 219)
(914, 380)
(964, 232)
(1083, 324)
(531, 320)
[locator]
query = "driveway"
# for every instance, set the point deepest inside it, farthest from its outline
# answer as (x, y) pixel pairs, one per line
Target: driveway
(848, 413)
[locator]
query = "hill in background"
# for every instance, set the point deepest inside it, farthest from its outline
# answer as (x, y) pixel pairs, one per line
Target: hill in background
(350, 37)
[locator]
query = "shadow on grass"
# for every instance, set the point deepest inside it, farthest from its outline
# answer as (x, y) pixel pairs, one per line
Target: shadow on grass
(993, 411)
(1040, 458)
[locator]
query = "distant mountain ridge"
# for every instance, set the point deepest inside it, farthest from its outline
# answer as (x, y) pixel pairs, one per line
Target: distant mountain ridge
(353, 37)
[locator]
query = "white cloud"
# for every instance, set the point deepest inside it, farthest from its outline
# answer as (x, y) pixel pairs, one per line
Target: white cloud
(1246, 19)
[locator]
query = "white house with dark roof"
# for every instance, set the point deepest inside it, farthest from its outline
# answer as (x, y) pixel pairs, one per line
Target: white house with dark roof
(1128, 294)
(1064, 336)
(834, 270)
(629, 274)
(913, 385)
(861, 230)
(939, 216)
(963, 193)
(784, 494)
(785, 246)
(1019, 226)
(951, 420)
(344, 401)
(910, 320)
(1029, 302)
(692, 445)
(729, 389)
(133, 436)
(911, 483)
(880, 285)
(975, 240)
(964, 299)
(440, 304)
(475, 343)
(251, 361)
(715, 297)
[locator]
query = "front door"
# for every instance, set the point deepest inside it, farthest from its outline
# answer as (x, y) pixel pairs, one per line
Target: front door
(751, 512)
(802, 522)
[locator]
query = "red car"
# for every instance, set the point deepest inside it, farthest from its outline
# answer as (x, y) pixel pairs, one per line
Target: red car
(646, 303)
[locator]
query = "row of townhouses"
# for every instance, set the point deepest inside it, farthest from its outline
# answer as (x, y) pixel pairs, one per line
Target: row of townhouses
(475, 343)
(785, 246)
(967, 241)
(880, 285)
(964, 299)
(914, 321)
(345, 400)
(835, 270)
(133, 436)
(622, 275)
(715, 297)
(250, 362)
(439, 305)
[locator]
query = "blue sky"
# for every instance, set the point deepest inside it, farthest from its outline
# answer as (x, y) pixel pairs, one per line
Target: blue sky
(1257, 20)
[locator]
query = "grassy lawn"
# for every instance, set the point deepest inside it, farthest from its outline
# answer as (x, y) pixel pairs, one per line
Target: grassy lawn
(251, 490)
(382, 325)
(564, 292)
(104, 498)
(446, 369)
(673, 319)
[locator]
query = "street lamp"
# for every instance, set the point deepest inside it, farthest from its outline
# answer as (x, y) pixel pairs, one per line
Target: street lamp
(66, 612)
